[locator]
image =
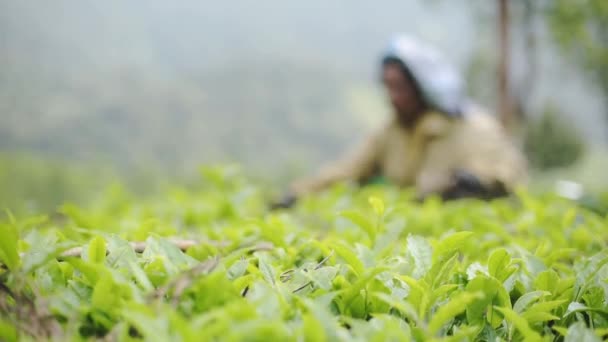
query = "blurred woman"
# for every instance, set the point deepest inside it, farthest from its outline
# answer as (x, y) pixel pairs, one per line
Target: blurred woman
(436, 140)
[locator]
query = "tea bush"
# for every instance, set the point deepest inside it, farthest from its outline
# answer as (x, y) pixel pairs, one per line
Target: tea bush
(345, 265)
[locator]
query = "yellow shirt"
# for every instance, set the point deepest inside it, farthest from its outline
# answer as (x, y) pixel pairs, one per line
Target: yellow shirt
(427, 155)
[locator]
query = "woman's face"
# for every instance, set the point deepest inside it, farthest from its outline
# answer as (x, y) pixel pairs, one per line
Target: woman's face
(402, 92)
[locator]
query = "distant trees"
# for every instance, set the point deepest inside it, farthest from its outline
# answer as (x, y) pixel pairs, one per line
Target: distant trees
(581, 30)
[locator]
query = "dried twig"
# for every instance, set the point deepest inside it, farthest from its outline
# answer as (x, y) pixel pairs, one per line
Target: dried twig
(140, 246)
(182, 244)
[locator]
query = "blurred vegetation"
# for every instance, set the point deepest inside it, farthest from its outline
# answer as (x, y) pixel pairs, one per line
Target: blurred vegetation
(37, 184)
(280, 106)
(581, 29)
(550, 142)
(33, 183)
(254, 114)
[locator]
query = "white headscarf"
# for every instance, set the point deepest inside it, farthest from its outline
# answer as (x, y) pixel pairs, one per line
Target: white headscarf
(440, 83)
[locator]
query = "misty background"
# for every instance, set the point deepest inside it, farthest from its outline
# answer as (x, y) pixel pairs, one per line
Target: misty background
(277, 86)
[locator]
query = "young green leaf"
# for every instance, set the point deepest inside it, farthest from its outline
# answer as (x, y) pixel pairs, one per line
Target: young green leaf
(524, 301)
(575, 307)
(140, 277)
(455, 306)
(362, 222)
(266, 269)
(422, 254)
(499, 264)
(318, 309)
(92, 272)
(546, 306)
(443, 290)
(323, 276)
(105, 296)
(463, 333)
(538, 316)
(8, 246)
(377, 204)
(440, 272)
(482, 309)
(404, 307)
(451, 243)
(547, 281)
(350, 257)
(120, 253)
(97, 250)
(350, 293)
(238, 269)
(419, 294)
(520, 324)
(312, 329)
(40, 253)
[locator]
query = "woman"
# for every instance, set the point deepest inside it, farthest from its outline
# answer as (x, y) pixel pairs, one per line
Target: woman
(436, 141)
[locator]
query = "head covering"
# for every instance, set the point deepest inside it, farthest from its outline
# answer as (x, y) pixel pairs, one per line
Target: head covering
(440, 83)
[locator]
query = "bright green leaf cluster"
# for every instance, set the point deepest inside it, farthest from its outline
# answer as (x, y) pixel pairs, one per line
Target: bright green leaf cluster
(348, 264)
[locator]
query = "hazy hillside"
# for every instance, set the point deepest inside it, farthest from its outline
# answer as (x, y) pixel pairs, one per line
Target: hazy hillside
(180, 83)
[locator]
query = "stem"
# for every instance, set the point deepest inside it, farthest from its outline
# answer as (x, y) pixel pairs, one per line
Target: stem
(182, 244)
(505, 105)
(140, 246)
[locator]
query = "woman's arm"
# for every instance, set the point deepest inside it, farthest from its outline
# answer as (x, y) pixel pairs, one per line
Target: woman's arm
(357, 166)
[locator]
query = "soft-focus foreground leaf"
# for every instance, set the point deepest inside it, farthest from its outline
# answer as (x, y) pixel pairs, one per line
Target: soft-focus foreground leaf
(348, 264)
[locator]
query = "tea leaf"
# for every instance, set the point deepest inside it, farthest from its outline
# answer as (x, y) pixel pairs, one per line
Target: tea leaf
(362, 222)
(8, 246)
(350, 257)
(520, 324)
(421, 252)
(97, 250)
(524, 301)
(377, 204)
(455, 306)
(499, 264)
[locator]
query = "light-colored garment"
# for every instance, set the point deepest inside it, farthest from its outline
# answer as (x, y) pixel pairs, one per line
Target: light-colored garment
(427, 155)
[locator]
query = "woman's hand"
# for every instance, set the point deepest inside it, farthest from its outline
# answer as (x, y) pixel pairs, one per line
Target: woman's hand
(467, 185)
(286, 202)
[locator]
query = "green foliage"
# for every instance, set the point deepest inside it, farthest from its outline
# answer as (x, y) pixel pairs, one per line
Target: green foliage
(551, 143)
(8, 245)
(368, 264)
(33, 183)
(580, 29)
